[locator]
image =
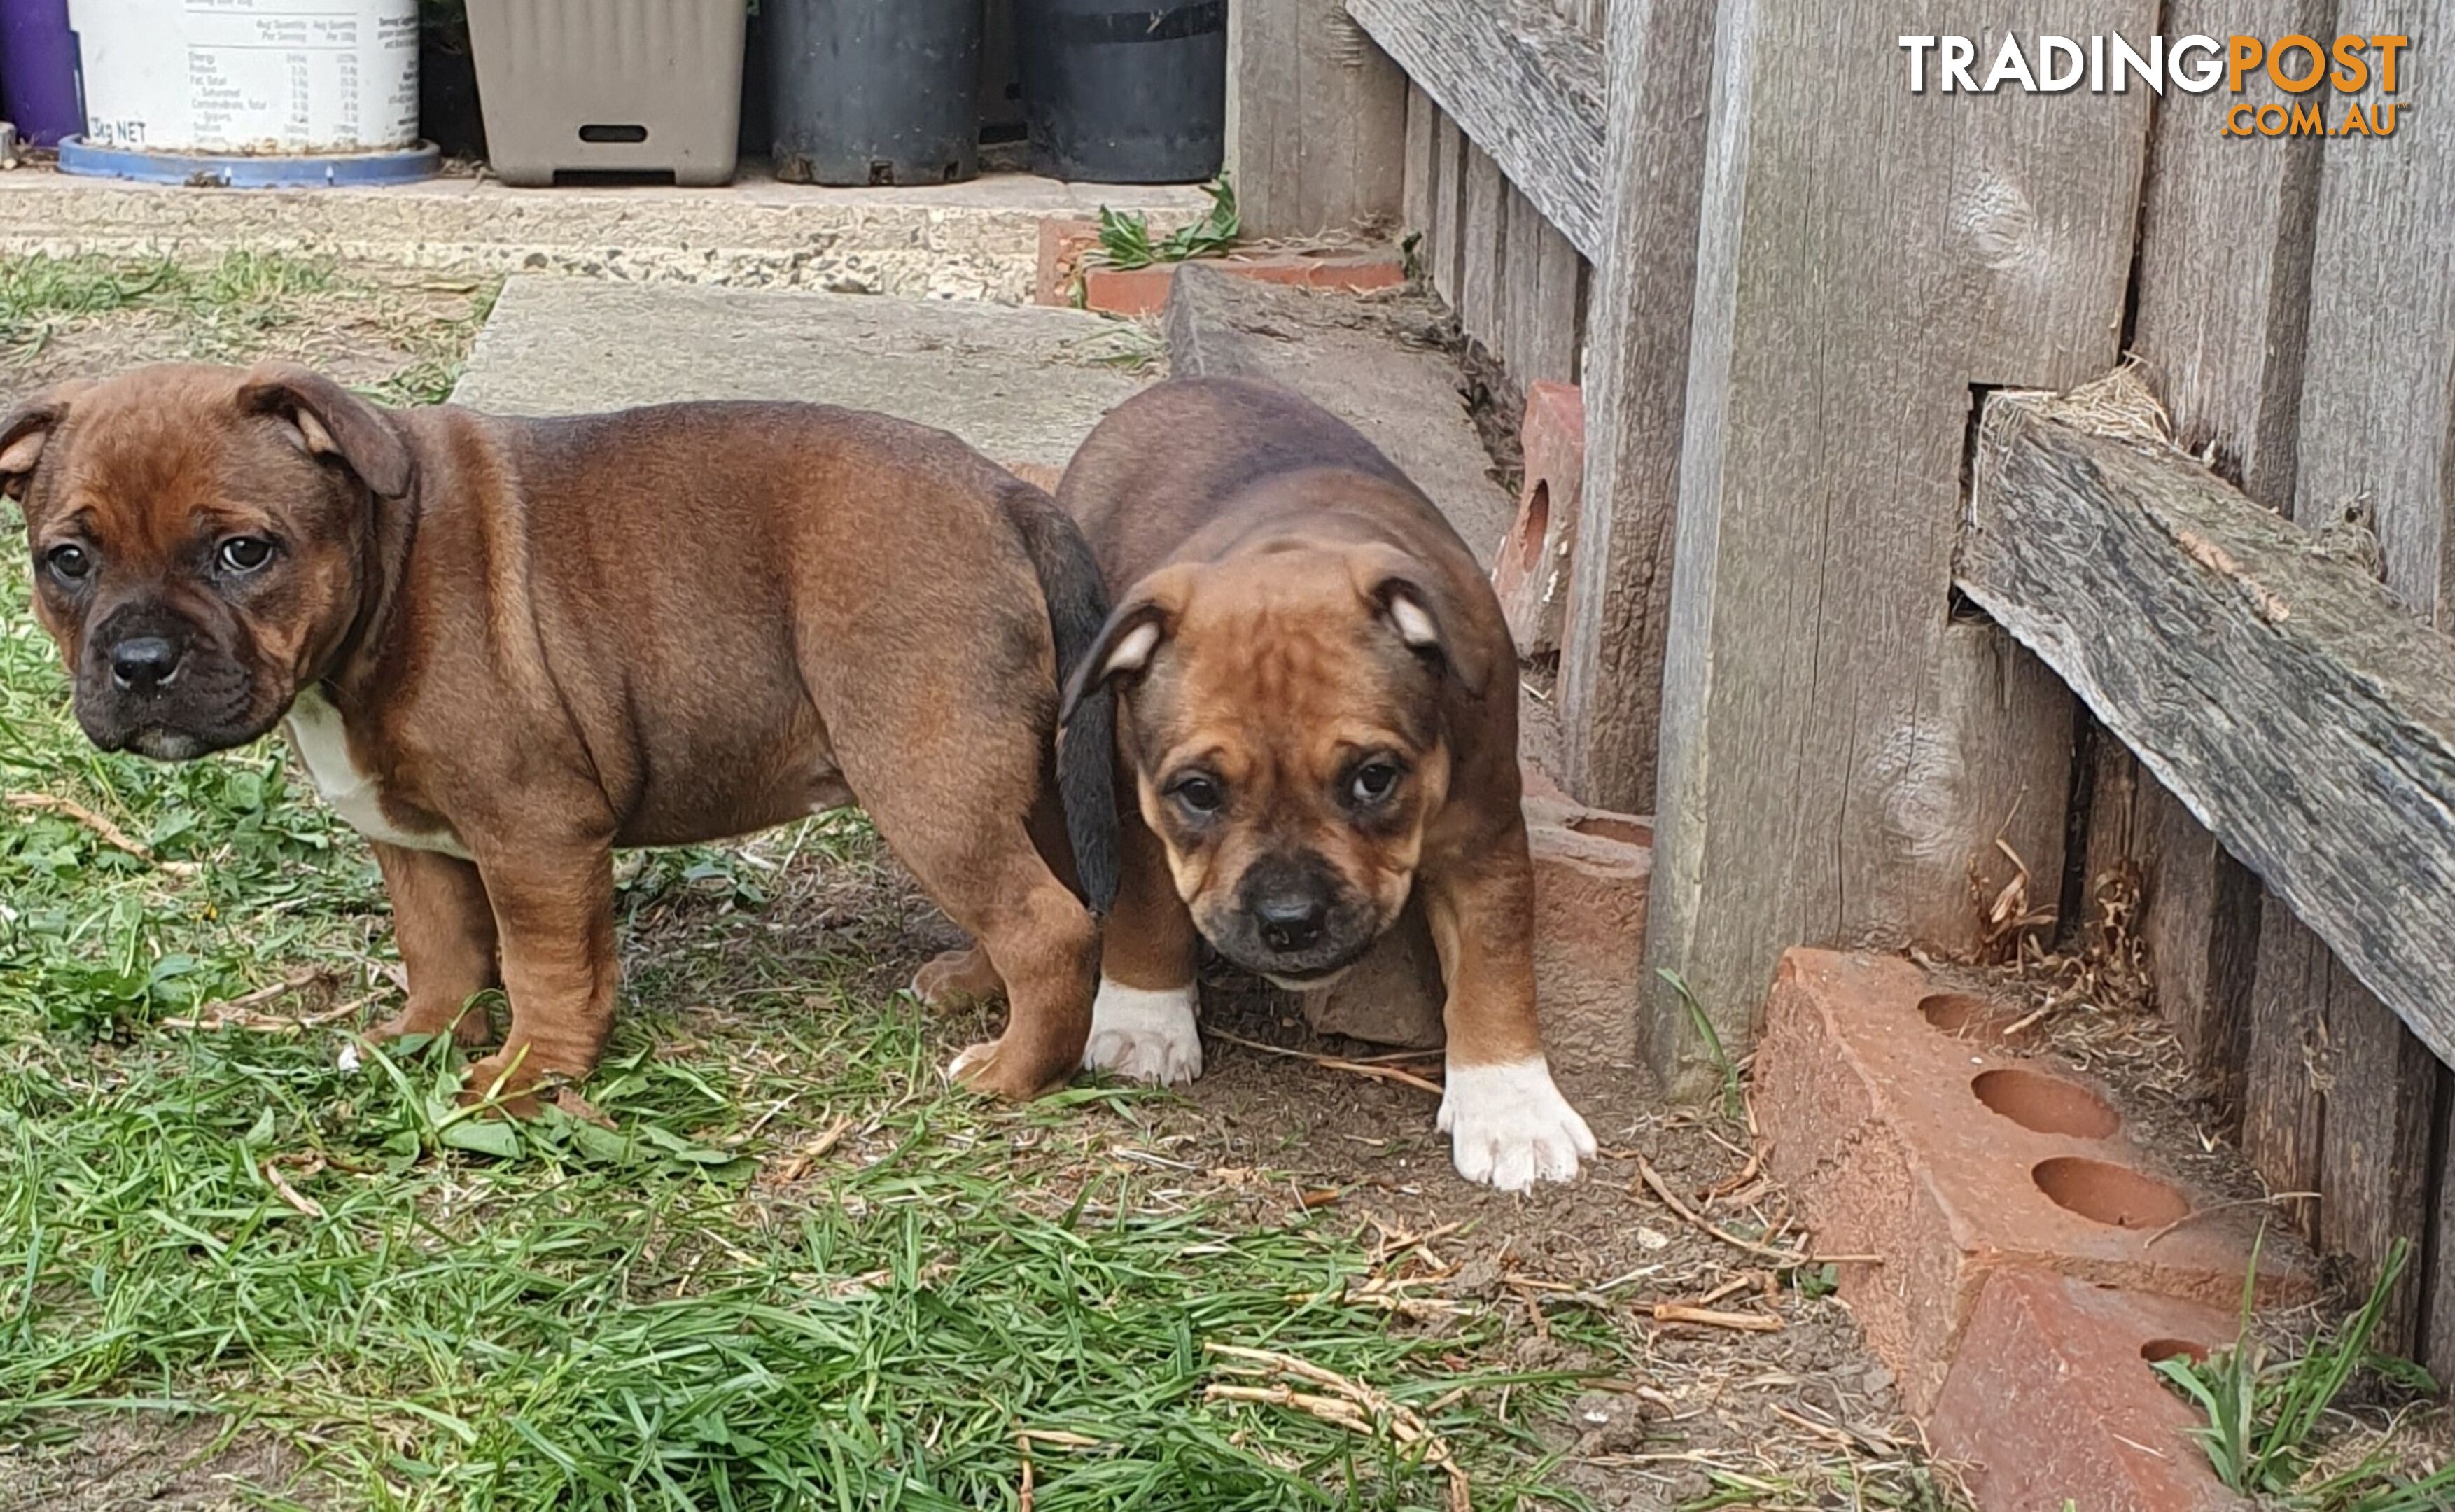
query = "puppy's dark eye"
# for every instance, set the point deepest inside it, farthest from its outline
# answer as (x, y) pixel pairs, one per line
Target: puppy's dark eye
(1373, 782)
(1198, 794)
(245, 554)
(71, 563)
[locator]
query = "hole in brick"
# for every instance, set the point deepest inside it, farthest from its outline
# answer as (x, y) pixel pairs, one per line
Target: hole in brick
(1965, 1016)
(2103, 1192)
(1603, 826)
(2159, 1350)
(2047, 1104)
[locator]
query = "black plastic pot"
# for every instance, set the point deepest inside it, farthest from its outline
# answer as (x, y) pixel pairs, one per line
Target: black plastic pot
(1124, 95)
(875, 92)
(448, 113)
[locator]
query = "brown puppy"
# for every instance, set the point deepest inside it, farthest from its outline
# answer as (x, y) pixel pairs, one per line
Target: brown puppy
(1319, 718)
(506, 647)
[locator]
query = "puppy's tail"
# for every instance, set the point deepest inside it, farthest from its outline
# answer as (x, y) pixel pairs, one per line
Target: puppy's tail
(1078, 606)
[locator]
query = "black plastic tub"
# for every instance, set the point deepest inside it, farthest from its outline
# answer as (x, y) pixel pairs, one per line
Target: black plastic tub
(1123, 94)
(875, 92)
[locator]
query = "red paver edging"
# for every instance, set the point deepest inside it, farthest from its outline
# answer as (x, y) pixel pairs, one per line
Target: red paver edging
(2055, 1398)
(1530, 574)
(2028, 1252)
(1065, 243)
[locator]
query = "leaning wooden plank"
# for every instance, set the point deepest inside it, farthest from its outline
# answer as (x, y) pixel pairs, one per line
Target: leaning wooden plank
(1525, 85)
(2277, 691)
(1838, 753)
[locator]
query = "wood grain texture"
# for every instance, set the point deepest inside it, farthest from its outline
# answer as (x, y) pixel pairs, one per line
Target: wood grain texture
(1483, 230)
(1636, 375)
(2275, 689)
(2220, 300)
(1527, 87)
(2284, 1070)
(2380, 363)
(1447, 240)
(1422, 167)
(2374, 1173)
(1541, 292)
(2377, 396)
(1318, 116)
(1835, 755)
(1520, 280)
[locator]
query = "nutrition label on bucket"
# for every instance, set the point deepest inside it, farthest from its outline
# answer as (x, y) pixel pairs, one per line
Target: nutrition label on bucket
(270, 76)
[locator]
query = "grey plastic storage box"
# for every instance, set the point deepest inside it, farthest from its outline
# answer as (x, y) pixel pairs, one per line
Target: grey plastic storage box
(621, 87)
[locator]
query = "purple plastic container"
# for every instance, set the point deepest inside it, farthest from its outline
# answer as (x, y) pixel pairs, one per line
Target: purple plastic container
(38, 74)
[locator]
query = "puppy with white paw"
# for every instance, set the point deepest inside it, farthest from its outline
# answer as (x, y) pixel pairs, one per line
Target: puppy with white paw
(1316, 720)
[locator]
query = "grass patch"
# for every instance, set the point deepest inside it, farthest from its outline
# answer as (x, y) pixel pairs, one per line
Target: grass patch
(243, 306)
(794, 1272)
(2270, 1422)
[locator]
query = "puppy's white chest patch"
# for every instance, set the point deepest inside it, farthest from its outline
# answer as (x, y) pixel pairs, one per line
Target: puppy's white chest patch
(353, 793)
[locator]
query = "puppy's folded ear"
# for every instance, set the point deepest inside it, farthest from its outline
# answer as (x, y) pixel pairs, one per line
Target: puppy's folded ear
(1412, 599)
(1124, 648)
(330, 422)
(25, 432)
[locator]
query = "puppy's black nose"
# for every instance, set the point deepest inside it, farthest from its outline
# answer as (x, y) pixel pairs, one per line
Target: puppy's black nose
(143, 663)
(1291, 921)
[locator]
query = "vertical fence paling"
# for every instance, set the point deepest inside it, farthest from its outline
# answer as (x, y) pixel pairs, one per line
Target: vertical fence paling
(2294, 303)
(1657, 67)
(1317, 119)
(1837, 752)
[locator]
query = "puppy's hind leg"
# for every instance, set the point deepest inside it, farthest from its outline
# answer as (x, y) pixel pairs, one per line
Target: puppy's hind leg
(951, 805)
(1038, 937)
(957, 976)
(967, 975)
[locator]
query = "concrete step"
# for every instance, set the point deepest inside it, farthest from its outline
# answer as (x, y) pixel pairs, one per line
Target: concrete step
(1024, 384)
(1366, 358)
(979, 240)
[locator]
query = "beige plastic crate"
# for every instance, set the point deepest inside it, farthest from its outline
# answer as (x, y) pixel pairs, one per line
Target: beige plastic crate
(609, 87)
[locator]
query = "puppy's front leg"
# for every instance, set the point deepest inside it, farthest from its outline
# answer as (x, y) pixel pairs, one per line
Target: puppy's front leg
(445, 928)
(1142, 1022)
(1507, 1124)
(554, 907)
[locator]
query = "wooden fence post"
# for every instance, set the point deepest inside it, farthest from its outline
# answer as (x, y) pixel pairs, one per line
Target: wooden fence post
(1838, 755)
(1658, 57)
(1317, 119)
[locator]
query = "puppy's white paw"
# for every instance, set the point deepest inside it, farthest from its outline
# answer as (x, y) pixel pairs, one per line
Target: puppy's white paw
(1508, 1127)
(349, 1059)
(1144, 1035)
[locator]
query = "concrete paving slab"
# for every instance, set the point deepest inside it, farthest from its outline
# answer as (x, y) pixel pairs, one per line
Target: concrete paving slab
(1347, 354)
(1024, 384)
(978, 240)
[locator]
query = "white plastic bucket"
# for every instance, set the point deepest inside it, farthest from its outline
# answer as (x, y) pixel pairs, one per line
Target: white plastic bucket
(275, 76)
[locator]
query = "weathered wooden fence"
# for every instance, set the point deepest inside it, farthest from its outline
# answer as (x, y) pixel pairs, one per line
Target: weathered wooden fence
(1790, 286)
